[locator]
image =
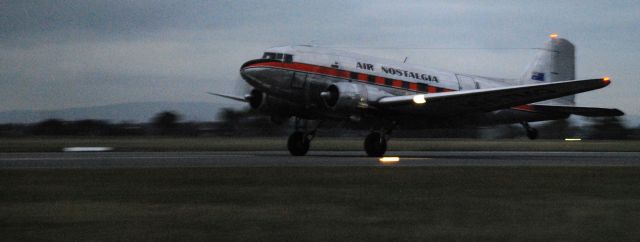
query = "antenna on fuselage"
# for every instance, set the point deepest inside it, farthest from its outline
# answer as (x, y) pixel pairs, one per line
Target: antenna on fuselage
(405, 59)
(429, 48)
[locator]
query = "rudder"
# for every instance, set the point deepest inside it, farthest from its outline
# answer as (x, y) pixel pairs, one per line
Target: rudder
(556, 62)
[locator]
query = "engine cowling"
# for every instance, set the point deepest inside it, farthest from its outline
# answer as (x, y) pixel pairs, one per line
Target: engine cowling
(256, 99)
(345, 97)
(276, 107)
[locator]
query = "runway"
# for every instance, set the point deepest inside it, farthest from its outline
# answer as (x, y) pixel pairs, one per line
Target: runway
(100, 160)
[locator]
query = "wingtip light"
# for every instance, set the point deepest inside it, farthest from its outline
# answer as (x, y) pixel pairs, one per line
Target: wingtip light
(553, 36)
(606, 80)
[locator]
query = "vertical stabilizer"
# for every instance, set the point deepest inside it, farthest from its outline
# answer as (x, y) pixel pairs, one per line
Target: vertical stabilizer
(556, 62)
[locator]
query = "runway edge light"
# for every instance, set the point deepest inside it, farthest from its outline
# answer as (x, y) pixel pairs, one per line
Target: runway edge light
(389, 159)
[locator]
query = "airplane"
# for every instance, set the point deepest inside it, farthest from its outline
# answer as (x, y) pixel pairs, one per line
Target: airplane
(316, 84)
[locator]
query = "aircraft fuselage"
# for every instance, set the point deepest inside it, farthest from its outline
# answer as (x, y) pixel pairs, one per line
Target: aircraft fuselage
(297, 75)
(318, 84)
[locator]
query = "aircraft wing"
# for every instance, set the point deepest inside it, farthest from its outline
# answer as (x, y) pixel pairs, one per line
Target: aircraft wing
(582, 111)
(236, 98)
(484, 100)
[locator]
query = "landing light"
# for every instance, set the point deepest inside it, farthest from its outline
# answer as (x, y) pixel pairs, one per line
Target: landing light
(419, 99)
(573, 139)
(553, 36)
(388, 160)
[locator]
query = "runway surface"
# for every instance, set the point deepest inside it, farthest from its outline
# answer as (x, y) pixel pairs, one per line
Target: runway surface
(314, 158)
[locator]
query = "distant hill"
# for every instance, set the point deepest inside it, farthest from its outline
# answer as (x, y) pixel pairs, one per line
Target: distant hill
(130, 112)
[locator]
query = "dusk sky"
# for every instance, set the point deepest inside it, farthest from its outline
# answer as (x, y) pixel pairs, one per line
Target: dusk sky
(59, 54)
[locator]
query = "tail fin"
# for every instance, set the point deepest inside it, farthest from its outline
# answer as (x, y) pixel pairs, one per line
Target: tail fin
(556, 62)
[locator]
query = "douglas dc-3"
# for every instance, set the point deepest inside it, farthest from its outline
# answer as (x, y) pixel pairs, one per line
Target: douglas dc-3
(314, 84)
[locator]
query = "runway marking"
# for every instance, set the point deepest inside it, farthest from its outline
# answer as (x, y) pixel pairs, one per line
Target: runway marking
(87, 149)
(315, 158)
(119, 157)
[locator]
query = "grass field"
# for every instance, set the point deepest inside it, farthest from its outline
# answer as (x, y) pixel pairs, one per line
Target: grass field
(357, 203)
(242, 144)
(319, 203)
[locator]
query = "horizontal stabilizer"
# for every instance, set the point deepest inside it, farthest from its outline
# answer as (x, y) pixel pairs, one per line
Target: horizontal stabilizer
(582, 111)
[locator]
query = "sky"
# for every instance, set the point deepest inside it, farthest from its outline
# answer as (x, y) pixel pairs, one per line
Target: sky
(60, 54)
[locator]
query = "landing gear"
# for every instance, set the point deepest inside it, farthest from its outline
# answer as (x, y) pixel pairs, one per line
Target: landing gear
(298, 144)
(532, 133)
(300, 141)
(375, 144)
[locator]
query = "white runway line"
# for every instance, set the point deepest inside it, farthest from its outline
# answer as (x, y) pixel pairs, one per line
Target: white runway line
(87, 149)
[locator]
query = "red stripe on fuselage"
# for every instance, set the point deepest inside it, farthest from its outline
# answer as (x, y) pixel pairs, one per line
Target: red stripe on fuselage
(362, 78)
(340, 73)
(380, 80)
(525, 108)
(413, 86)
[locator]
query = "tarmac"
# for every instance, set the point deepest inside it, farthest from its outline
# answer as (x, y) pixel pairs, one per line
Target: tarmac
(105, 160)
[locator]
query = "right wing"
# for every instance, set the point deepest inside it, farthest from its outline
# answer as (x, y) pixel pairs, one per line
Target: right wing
(484, 100)
(582, 111)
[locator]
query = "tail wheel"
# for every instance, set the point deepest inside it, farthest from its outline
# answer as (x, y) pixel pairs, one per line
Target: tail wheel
(532, 133)
(375, 145)
(298, 144)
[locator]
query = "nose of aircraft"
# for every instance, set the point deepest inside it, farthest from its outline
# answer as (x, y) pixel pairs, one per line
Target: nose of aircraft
(251, 74)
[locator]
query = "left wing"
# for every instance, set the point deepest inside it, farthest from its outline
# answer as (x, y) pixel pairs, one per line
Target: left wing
(485, 100)
(241, 99)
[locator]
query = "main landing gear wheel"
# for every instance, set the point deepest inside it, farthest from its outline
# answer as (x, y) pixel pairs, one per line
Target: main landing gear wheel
(375, 145)
(298, 144)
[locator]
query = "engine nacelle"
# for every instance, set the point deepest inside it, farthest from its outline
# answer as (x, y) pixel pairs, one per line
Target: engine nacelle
(256, 99)
(271, 105)
(346, 97)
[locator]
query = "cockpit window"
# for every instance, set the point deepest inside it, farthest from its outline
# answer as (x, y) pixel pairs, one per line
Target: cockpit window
(269, 55)
(288, 58)
(278, 56)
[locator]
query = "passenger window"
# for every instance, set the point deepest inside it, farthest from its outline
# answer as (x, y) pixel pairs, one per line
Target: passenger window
(288, 58)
